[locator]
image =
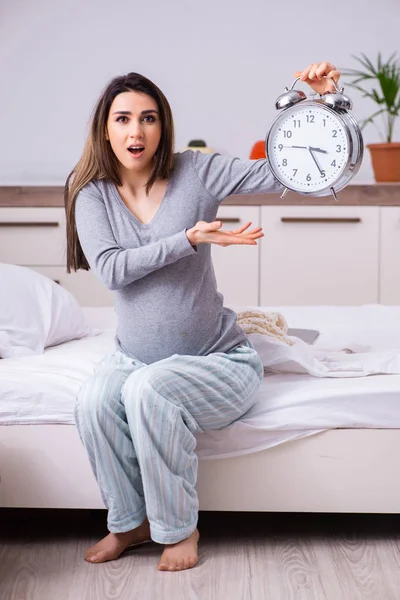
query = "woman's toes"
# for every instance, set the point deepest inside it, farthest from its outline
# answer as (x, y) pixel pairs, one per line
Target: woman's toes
(183, 564)
(91, 558)
(99, 557)
(181, 555)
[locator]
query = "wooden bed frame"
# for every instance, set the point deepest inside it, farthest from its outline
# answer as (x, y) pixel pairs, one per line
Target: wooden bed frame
(341, 470)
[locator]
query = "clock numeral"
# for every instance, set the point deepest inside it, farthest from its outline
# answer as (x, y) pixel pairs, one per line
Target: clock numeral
(334, 133)
(310, 118)
(296, 123)
(287, 133)
(333, 163)
(284, 162)
(324, 121)
(308, 177)
(280, 146)
(323, 174)
(338, 148)
(294, 171)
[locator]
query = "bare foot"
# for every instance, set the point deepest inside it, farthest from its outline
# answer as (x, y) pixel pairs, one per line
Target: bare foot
(110, 547)
(180, 556)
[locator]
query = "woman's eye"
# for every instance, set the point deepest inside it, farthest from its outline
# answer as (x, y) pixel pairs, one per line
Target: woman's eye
(152, 119)
(119, 119)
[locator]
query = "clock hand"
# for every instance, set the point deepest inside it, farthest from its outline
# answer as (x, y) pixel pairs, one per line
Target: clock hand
(318, 150)
(309, 148)
(315, 160)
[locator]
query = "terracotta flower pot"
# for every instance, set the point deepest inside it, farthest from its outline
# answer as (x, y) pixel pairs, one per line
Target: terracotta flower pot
(386, 161)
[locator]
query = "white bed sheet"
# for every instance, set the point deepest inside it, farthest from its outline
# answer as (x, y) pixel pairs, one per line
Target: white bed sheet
(43, 388)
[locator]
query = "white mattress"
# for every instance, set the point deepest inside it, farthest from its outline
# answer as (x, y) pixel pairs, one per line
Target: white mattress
(42, 389)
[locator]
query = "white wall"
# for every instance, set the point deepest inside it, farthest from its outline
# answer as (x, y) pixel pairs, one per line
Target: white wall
(220, 63)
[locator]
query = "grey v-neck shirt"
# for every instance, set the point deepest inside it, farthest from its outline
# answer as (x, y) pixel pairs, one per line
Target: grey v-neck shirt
(165, 290)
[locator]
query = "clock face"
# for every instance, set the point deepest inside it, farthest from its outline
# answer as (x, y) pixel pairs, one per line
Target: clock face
(308, 148)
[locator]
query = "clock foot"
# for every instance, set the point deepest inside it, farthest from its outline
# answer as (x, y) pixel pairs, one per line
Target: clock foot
(285, 191)
(334, 194)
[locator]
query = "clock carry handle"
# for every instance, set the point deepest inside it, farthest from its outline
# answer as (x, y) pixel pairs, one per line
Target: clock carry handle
(337, 89)
(335, 100)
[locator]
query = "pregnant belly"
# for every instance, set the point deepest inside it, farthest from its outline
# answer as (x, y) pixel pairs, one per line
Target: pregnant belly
(157, 335)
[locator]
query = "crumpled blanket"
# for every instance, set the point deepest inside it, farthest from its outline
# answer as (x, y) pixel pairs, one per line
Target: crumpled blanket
(272, 324)
(288, 354)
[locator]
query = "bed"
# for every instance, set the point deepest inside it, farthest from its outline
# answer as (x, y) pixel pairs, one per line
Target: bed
(308, 444)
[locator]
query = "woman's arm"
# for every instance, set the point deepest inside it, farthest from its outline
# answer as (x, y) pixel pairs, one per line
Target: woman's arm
(224, 176)
(116, 267)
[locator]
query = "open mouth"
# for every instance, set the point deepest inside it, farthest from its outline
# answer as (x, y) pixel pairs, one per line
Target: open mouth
(136, 150)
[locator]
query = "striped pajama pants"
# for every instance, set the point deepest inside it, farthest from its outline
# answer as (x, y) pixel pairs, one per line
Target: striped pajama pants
(137, 423)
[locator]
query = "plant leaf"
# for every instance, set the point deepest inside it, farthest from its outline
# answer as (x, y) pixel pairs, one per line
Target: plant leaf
(387, 95)
(372, 117)
(366, 63)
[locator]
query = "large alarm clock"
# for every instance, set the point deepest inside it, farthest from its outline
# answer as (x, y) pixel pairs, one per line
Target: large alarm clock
(314, 146)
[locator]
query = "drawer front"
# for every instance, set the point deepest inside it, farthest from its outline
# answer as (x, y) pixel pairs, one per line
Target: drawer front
(390, 255)
(84, 285)
(32, 236)
(236, 267)
(319, 255)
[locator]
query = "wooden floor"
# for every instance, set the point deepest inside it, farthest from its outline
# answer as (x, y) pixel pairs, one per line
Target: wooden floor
(243, 556)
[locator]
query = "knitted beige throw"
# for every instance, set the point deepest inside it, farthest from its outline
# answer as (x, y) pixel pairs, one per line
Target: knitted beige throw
(257, 321)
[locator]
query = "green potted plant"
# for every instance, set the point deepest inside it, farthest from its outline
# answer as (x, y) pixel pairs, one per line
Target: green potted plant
(386, 94)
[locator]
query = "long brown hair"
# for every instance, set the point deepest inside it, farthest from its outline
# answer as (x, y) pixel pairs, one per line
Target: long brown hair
(98, 160)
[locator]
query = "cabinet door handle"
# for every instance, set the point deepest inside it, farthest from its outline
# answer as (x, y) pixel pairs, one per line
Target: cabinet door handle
(29, 224)
(228, 219)
(320, 219)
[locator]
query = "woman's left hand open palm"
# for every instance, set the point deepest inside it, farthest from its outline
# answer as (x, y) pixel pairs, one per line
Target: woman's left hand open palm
(252, 234)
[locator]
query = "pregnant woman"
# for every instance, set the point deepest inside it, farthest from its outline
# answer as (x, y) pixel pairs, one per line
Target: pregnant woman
(143, 218)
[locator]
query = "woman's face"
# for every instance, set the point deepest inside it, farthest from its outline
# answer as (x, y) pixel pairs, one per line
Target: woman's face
(134, 130)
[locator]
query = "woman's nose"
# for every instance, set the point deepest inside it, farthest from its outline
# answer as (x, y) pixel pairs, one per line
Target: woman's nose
(135, 129)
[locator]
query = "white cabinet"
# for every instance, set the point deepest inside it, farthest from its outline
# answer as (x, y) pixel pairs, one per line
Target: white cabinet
(32, 236)
(314, 255)
(390, 255)
(236, 267)
(35, 238)
(309, 255)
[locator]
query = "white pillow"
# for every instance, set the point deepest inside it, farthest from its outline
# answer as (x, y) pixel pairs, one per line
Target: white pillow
(35, 312)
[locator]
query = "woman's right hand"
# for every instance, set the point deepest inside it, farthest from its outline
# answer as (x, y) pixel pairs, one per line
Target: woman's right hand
(210, 233)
